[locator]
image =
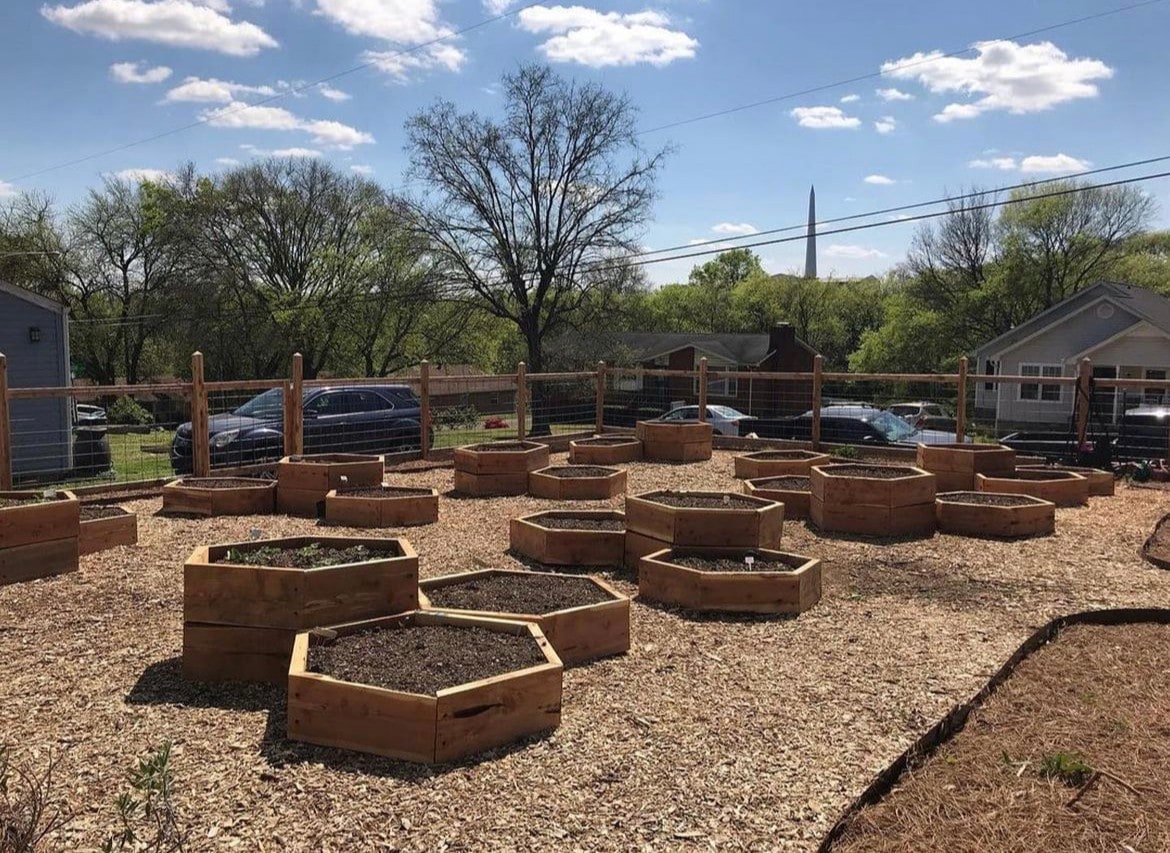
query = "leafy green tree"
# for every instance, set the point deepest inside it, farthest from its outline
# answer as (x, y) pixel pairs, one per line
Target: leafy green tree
(727, 269)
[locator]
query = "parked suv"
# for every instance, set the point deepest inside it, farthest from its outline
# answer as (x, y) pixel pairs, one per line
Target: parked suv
(857, 425)
(344, 419)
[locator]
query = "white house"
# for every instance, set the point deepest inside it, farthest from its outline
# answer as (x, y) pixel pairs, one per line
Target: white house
(1125, 332)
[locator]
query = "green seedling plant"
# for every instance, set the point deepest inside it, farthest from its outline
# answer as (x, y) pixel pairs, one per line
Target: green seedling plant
(148, 818)
(1067, 767)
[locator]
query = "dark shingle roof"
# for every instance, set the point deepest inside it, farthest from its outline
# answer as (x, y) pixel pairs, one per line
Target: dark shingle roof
(737, 348)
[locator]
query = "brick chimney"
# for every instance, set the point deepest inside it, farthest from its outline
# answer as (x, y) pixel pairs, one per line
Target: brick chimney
(782, 338)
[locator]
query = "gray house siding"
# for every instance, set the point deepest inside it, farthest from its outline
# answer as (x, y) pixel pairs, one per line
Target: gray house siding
(41, 429)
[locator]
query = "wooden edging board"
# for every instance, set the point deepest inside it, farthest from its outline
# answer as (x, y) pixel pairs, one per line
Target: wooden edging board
(568, 547)
(40, 539)
(100, 534)
(1147, 546)
(250, 497)
(954, 721)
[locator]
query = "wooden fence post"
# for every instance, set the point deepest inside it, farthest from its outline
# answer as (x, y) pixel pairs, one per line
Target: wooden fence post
(1084, 401)
(200, 429)
(5, 429)
(817, 386)
(521, 397)
(599, 414)
(294, 439)
(424, 402)
(703, 389)
(961, 404)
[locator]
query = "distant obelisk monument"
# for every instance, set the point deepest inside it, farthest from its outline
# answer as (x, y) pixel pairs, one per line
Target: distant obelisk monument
(810, 251)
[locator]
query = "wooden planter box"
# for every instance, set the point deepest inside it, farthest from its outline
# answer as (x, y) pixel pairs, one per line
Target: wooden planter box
(301, 485)
(1101, 483)
(245, 497)
(100, 534)
(955, 465)
(239, 620)
(605, 450)
(1063, 488)
(543, 484)
(395, 507)
(796, 501)
(663, 441)
(778, 592)
(39, 539)
(777, 463)
(577, 634)
(652, 525)
(844, 500)
(560, 547)
(488, 473)
(957, 514)
(450, 724)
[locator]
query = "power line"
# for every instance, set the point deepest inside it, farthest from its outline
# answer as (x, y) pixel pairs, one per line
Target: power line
(292, 90)
(877, 75)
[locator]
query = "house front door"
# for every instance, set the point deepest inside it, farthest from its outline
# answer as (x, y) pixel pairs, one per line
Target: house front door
(1104, 408)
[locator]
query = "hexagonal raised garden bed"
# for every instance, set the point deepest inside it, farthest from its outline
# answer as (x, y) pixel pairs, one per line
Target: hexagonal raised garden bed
(777, 463)
(243, 602)
(104, 526)
(955, 465)
(873, 500)
(302, 482)
(570, 537)
(577, 483)
(38, 534)
(212, 496)
(665, 441)
(498, 468)
(791, 490)
(733, 580)
(425, 687)
(605, 450)
(583, 617)
(998, 516)
(705, 519)
(1063, 488)
(1101, 483)
(382, 506)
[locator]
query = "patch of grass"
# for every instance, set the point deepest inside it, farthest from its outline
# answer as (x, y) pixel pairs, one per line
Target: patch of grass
(1067, 767)
(846, 452)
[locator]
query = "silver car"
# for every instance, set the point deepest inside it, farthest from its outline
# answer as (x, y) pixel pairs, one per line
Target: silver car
(724, 420)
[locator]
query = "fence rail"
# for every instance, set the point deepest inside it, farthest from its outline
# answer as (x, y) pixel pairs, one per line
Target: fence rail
(196, 424)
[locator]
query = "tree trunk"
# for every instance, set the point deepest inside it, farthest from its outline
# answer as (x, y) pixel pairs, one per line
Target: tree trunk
(537, 403)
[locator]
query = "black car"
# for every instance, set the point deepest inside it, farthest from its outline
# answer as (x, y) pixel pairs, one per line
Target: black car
(855, 424)
(344, 419)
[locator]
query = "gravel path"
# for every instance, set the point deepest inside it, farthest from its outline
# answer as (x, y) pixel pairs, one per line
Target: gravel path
(736, 734)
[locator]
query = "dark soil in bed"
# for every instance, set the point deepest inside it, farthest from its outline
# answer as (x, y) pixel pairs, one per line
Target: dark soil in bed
(1038, 474)
(91, 512)
(783, 484)
(519, 593)
(383, 492)
(872, 472)
(225, 483)
(29, 501)
(783, 454)
(333, 459)
(423, 658)
(568, 522)
(503, 447)
(574, 472)
(606, 442)
(761, 563)
(306, 557)
(987, 499)
(686, 500)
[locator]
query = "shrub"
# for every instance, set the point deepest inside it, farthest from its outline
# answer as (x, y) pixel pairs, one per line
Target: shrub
(29, 812)
(126, 411)
(847, 452)
(455, 417)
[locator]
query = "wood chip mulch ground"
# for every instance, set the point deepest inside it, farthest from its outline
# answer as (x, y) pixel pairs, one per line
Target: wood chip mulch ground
(711, 734)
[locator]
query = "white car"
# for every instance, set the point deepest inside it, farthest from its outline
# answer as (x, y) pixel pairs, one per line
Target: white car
(724, 420)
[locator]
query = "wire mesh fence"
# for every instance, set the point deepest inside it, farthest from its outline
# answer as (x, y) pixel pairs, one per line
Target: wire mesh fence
(245, 426)
(560, 404)
(472, 409)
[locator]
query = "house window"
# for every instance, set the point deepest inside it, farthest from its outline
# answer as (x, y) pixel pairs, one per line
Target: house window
(719, 386)
(1040, 391)
(1154, 396)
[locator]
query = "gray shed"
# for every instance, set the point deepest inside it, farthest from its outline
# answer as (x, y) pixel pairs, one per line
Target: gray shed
(34, 335)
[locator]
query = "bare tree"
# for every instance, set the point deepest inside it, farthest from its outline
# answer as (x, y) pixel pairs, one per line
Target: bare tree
(520, 209)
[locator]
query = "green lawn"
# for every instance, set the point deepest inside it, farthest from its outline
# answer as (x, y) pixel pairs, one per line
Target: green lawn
(460, 437)
(134, 456)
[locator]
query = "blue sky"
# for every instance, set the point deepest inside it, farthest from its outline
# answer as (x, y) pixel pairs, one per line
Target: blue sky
(87, 75)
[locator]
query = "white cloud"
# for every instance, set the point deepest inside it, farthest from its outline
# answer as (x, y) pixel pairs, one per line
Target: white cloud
(295, 152)
(404, 21)
(1033, 164)
(821, 118)
(332, 93)
(332, 134)
(400, 65)
(362, 169)
(178, 23)
(137, 176)
(497, 7)
(850, 99)
(856, 253)
(1003, 75)
(879, 180)
(739, 229)
(213, 91)
(601, 39)
(8, 190)
(227, 161)
(138, 72)
(885, 124)
(892, 94)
